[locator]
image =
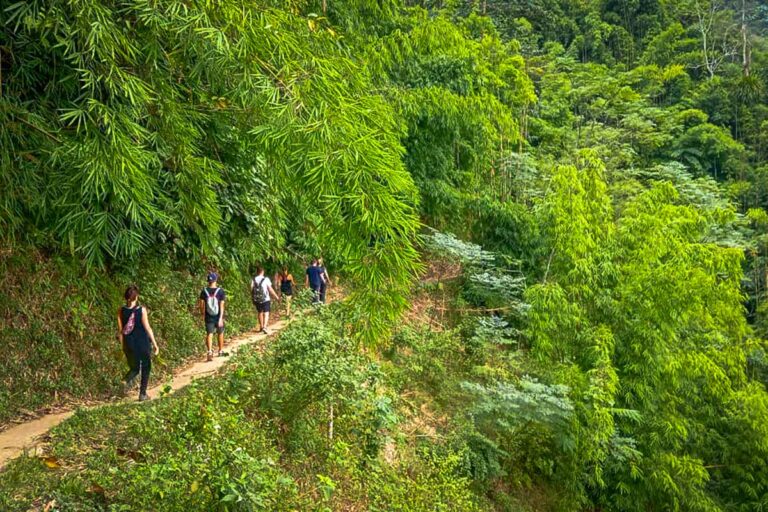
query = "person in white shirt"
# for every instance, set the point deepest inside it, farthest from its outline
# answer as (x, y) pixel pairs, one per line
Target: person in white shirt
(261, 290)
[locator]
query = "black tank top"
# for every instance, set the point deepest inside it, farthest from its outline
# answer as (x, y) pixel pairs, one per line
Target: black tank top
(286, 286)
(137, 339)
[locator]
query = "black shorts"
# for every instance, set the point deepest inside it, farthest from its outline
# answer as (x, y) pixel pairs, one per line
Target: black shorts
(263, 307)
(213, 327)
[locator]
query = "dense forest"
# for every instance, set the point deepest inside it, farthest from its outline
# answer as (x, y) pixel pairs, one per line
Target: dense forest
(550, 218)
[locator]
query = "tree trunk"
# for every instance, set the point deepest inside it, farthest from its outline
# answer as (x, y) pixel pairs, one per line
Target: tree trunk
(707, 62)
(746, 56)
(705, 20)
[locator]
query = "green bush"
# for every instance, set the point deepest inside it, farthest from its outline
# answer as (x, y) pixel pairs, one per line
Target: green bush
(426, 359)
(433, 482)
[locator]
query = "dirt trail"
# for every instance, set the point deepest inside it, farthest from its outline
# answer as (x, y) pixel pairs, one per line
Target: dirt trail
(26, 435)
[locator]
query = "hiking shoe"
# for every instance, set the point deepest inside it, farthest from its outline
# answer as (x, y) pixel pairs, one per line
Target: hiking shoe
(143, 397)
(266, 331)
(223, 354)
(210, 356)
(130, 383)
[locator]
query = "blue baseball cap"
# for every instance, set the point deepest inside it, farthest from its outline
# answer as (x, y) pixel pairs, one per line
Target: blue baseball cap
(213, 276)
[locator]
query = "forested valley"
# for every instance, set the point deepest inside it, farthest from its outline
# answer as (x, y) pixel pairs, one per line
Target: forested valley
(547, 220)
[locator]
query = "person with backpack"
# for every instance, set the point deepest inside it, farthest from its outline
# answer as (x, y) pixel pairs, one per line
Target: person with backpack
(261, 289)
(212, 301)
(314, 280)
(325, 280)
(286, 283)
(136, 335)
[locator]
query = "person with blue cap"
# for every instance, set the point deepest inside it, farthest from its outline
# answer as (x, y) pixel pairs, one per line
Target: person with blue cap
(212, 300)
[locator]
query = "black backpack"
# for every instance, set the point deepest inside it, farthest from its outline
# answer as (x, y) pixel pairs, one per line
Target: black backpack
(258, 294)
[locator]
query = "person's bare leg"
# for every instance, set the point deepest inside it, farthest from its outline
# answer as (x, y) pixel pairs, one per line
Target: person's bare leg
(288, 306)
(208, 340)
(266, 319)
(261, 321)
(221, 342)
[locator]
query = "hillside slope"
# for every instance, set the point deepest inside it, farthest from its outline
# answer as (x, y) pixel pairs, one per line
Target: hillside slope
(589, 334)
(58, 323)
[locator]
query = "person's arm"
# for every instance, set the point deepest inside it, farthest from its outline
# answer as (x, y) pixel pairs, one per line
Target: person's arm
(120, 328)
(222, 303)
(272, 292)
(201, 303)
(306, 279)
(327, 278)
(148, 328)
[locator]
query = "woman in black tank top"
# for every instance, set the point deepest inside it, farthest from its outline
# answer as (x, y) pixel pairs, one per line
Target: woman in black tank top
(285, 280)
(137, 339)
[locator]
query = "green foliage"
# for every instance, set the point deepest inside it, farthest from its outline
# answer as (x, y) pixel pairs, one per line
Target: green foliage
(638, 311)
(311, 369)
(463, 96)
(602, 165)
(492, 331)
(624, 298)
(127, 126)
(488, 280)
(424, 358)
(516, 408)
(436, 486)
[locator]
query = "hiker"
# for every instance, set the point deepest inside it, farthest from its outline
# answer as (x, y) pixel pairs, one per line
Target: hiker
(285, 284)
(135, 335)
(212, 301)
(325, 280)
(313, 280)
(261, 289)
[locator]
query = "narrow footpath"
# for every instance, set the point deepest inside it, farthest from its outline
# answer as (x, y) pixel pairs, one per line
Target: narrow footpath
(26, 436)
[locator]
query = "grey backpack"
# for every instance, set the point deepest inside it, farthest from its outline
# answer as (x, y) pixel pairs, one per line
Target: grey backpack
(259, 294)
(212, 302)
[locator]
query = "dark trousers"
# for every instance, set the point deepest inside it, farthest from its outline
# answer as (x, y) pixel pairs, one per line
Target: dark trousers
(315, 294)
(323, 287)
(139, 362)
